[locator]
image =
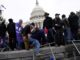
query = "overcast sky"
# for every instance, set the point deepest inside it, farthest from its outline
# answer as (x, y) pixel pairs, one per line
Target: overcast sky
(21, 9)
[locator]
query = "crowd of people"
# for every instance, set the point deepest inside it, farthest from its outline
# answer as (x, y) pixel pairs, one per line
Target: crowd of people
(61, 31)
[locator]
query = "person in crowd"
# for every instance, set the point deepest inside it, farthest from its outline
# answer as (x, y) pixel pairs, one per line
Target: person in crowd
(25, 32)
(12, 34)
(19, 36)
(30, 36)
(33, 40)
(3, 33)
(73, 21)
(38, 34)
(58, 27)
(67, 31)
(48, 24)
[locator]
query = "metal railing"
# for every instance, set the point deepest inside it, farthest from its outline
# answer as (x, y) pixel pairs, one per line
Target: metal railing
(49, 45)
(73, 42)
(7, 47)
(75, 45)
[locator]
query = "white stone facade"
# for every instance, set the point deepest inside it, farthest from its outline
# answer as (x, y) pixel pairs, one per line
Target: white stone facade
(37, 15)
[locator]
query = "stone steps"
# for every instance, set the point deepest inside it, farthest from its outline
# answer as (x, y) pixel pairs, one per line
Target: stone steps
(61, 52)
(24, 54)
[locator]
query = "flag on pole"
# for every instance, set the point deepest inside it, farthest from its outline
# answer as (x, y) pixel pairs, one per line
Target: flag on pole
(52, 58)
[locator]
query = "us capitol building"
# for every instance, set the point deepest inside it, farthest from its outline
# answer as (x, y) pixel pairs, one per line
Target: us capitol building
(37, 15)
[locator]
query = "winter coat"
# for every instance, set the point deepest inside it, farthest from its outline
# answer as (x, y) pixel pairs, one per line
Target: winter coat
(2, 30)
(73, 21)
(18, 33)
(47, 23)
(11, 30)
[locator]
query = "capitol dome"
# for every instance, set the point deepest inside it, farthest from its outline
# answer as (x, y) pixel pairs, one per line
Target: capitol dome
(37, 15)
(37, 11)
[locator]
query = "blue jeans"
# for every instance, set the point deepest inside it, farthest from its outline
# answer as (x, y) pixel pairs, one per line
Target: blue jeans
(36, 44)
(67, 34)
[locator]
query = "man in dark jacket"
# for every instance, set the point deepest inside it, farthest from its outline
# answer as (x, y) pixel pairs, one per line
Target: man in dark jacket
(12, 34)
(58, 26)
(3, 33)
(48, 24)
(73, 21)
(38, 34)
(30, 37)
(67, 31)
